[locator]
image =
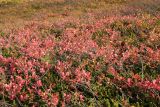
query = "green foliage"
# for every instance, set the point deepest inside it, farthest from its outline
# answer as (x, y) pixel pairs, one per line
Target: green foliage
(57, 32)
(99, 36)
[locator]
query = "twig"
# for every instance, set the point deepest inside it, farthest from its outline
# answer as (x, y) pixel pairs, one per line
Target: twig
(142, 64)
(5, 104)
(19, 102)
(85, 89)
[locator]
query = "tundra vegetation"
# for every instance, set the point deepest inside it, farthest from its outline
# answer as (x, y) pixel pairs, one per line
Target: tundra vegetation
(80, 53)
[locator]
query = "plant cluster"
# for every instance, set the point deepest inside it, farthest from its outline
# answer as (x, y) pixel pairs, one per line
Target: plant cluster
(113, 62)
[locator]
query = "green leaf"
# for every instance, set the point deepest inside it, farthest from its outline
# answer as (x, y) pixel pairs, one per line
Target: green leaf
(110, 76)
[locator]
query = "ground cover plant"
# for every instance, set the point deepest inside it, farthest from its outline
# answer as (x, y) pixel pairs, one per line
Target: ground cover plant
(112, 61)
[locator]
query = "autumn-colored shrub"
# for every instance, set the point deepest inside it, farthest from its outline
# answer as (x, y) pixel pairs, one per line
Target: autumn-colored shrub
(113, 62)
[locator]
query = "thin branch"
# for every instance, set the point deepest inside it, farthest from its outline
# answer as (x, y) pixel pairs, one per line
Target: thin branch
(19, 102)
(142, 66)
